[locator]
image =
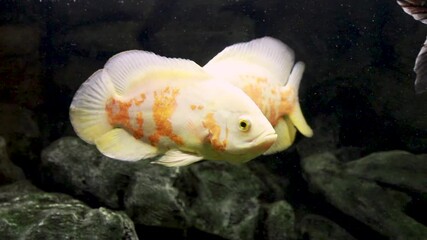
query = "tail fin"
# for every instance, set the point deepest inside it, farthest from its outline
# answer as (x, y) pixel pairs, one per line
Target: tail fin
(87, 110)
(296, 116)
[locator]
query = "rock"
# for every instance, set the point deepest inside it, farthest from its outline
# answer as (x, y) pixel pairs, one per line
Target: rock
(314, 227)
(275, 185)
(225, 201)
(153, 198)
(17, 189)
(212, 197)
(280, 221)
(79, 169)
(28, 213)
(145, 191)
(380, 207)
(8, 171)
(399, 169)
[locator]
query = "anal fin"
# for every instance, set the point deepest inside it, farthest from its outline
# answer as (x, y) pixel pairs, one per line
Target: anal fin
(299, 121)
(176, 158)
(121, 145)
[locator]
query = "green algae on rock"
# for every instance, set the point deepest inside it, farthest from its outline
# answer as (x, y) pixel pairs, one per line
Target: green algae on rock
(28, 213)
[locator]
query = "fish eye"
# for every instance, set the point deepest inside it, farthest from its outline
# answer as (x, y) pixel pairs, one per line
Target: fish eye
(244, 125)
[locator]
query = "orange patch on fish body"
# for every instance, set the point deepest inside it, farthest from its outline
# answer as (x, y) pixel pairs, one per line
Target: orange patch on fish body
(287, 102)
(118, 115)
(273, 117)
(163, 108)
(118, 112)
(255, 90)
(215, 132)
(194, 107)
(139, 133)
(140, 101)
(255, 93)
(267, 100)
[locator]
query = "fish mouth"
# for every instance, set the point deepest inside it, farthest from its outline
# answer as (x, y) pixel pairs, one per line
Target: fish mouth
(257, 146)
(265, 140)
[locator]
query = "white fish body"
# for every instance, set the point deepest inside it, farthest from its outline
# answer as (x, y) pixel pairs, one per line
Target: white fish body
(264, 69)
(141, 105)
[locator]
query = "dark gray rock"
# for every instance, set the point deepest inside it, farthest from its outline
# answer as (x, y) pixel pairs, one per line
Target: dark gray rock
(213, 197)
(382, 208)
(314, 227)
(17, 189)
(28, 213)
(400, 169)
(279, 222)
(144, 190)
(274, 185)
(8, 171)
(152, 198)
(79, 169)
(226, 199)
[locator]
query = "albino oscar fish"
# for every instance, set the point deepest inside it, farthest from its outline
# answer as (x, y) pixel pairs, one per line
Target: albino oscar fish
(141, 105)
(418, 10)
(264, 69)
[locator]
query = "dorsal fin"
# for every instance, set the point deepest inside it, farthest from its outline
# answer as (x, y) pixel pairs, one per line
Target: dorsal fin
(129, 67)
(267, 52)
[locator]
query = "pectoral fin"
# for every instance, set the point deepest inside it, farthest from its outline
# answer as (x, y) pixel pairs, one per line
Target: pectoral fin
(286, 133)
(176, 158)
(121, 145)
